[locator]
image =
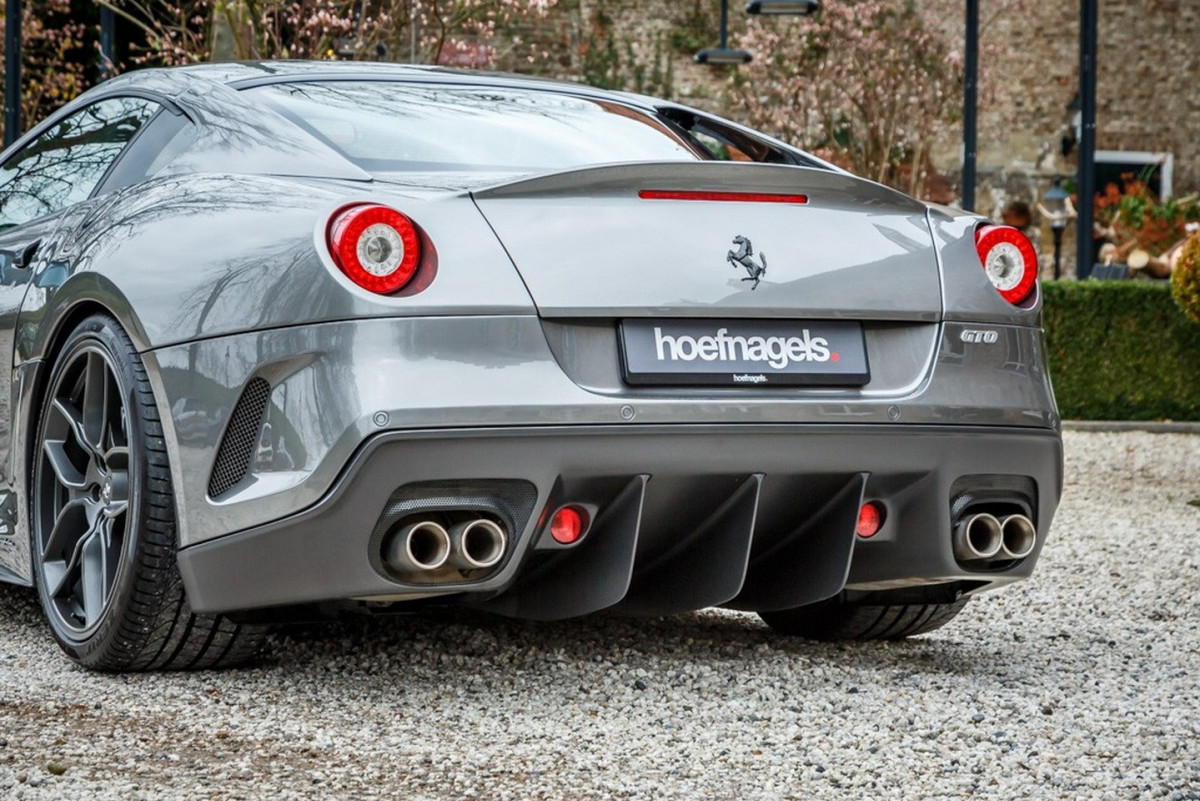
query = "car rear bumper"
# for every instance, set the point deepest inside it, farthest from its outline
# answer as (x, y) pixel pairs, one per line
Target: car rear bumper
(261, 425)
(686, 516)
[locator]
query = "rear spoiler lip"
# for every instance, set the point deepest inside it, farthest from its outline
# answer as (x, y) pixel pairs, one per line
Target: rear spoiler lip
(627, 179)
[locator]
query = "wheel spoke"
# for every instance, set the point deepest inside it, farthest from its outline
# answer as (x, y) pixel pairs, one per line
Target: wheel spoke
(53, 574)
(114, 536)
(75, 420)
(71, 519)
(93, 576)
(95, 401)
(68, 474)
(117, 458)
(115, 509)
(71, 566)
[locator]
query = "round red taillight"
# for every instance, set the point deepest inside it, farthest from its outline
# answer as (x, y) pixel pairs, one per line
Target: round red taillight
(566, 527)
(870, 519)
(376, 247)
(1009, 260)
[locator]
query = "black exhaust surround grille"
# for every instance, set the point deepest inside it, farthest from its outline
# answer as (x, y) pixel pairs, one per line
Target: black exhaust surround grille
(508, 502)
(241, 436)
(998, 495)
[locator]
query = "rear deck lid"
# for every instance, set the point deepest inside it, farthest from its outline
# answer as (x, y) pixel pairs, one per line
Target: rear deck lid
(716, 240)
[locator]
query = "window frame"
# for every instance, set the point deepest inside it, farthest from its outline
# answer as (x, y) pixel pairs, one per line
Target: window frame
(130, 165)
(77, 106)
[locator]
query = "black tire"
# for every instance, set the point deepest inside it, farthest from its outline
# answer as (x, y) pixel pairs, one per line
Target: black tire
(862, 619)
(103, 519)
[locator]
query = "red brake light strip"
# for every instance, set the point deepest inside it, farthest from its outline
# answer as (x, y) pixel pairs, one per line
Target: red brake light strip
(737, 197)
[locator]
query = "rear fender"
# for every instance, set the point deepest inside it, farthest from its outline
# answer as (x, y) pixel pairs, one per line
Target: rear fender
(967, 293)
(202, 256)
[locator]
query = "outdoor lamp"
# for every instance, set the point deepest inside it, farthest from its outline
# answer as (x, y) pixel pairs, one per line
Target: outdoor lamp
(1056, 206)
(722, 55)
(798, 8)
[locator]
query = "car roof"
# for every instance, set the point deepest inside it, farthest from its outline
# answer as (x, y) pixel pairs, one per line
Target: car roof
(208, 92)
(175, 81)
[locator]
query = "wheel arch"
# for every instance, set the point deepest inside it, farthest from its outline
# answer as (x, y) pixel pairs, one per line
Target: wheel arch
(45, 331)
(45, 327)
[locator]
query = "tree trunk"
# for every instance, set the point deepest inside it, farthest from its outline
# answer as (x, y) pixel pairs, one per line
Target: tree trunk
(232, 32)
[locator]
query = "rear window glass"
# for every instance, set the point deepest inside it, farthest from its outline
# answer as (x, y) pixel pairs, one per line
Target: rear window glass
(386, 127)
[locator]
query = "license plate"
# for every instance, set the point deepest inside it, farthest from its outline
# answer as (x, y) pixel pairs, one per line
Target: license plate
(743, 353)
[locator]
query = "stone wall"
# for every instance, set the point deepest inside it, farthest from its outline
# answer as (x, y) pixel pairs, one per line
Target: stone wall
(1148, 84)
(1148, 96)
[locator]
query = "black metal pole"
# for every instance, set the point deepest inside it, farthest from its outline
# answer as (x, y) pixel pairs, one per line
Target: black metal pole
(1058, 232)
(724, 24)
(1086, 182)
(970, 105)
(12, 71)
(108, 40)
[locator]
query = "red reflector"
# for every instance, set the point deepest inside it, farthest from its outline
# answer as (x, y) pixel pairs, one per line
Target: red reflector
(870, 519)
(376, 247)
(566, 527)
(1009, 260)
(737, 197)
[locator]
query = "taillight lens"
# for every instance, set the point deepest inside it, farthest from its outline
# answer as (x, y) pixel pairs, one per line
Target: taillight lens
(376, 247)
(1009, 260)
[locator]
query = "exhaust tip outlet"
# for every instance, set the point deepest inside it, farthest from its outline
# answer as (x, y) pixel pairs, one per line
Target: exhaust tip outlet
(1019, 536)
(977, 537)
(422, 545)
(477, 544)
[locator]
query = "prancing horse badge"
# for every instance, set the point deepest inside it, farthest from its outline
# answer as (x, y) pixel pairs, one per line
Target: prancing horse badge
(744, 257)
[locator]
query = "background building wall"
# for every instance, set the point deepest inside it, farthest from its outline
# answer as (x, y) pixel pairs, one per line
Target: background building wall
(1148, 79)
(1149, 82)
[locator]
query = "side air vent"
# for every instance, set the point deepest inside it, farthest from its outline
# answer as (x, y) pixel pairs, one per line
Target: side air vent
(241, 435)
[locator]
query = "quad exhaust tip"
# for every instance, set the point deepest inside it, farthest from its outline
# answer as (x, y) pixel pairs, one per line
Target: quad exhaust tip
(978, 537)
(1018, 536)
(983, 537)
(419, 546)
(425, 546)
(477, 544)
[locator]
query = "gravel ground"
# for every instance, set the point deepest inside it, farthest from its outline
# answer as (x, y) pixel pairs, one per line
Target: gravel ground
(1081, 683)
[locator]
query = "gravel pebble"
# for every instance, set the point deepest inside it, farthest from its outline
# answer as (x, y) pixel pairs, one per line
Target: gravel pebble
(1080, 683)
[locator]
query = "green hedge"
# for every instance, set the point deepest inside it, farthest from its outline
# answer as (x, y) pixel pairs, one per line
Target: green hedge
(1121, 350)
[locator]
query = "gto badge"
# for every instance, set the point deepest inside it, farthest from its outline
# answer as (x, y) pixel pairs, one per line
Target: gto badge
(976, 336)
(744, 257)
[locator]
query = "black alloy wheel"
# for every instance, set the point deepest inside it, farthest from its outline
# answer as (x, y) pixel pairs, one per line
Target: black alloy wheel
(82, 490)
(103, 519)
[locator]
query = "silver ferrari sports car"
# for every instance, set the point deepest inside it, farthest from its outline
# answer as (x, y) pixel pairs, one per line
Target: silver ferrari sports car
(292, 339)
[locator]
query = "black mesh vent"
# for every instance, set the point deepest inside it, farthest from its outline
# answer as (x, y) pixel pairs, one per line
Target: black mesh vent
(241, 435)
(998, 494)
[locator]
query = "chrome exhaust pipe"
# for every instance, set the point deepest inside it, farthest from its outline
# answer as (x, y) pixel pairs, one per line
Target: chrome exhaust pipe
(1018, 536)
(477, 544)
(418, 546)
(977, 537)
